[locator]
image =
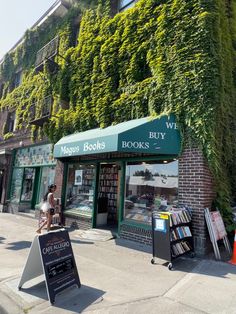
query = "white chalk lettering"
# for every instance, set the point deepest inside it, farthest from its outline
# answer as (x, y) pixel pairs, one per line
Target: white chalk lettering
(58, 246)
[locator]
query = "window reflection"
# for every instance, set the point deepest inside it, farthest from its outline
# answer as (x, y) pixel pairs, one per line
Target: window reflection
(150, 186)
(80, 189)
(17, 177)
(28, 184)
(48, 175)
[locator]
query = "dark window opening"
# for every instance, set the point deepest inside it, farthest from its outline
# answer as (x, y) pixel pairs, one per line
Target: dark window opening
(11, 123)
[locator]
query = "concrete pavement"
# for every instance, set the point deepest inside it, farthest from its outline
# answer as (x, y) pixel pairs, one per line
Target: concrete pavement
(116, 276)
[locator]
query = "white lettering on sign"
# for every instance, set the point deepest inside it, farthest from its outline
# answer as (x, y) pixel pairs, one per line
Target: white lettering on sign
(69, 150)
(157, 135)
(94, 147)
(171, 125)
(55, 247)
(140, 145)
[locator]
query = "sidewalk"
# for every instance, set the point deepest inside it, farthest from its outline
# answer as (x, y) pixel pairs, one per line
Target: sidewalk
(116, 276)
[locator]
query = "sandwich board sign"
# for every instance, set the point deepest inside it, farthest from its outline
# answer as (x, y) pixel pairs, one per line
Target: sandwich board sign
(217, 231)
(51, 254)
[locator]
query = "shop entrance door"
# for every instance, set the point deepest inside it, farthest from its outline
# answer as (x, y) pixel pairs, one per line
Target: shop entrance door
(28, 186)
(108, 196)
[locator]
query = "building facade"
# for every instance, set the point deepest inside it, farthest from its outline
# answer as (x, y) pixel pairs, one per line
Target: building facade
(106, 71)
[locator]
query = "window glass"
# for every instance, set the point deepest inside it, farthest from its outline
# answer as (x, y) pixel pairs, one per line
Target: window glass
(47, 178)
(17, 177)
(126, 4)
(150, 186)
(11, 123)
(18, 79)
(80, 189)
(28, 184)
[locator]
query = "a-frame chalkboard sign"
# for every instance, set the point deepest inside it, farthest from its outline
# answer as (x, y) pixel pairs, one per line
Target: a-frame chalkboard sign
(52, 255)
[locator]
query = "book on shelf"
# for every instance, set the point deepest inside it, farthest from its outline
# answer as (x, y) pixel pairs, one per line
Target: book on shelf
(180, 248)
(179, 216)
(180, 233)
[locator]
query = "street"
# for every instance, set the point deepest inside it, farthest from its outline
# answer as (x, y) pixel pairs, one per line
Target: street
(116, 277)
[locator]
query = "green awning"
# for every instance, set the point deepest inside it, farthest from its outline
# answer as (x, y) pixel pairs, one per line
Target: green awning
(146, 135)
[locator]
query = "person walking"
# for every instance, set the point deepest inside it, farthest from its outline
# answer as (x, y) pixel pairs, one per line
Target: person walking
(48, 207)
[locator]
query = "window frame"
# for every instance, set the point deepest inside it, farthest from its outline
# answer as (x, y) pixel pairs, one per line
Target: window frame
(123, 7)
(137, 222)
(11, 122)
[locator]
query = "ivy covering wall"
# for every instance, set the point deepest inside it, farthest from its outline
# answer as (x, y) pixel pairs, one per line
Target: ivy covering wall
(158, 57)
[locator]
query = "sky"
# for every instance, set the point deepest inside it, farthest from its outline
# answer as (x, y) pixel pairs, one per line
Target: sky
(16, 16)
(163, 169)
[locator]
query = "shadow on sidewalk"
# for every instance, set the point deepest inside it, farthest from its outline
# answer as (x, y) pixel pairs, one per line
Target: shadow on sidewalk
(72, 299)
(80, 241)
(2, 239)
(205, 266)
(19, 245)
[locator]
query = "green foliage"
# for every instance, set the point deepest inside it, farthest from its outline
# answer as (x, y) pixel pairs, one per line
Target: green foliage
(160, 56)
(8, 135)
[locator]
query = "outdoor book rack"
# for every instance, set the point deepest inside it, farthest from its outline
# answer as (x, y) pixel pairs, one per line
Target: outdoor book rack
(171, 235)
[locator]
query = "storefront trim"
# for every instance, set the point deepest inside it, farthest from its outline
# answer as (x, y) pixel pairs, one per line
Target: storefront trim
(122, 161)
(132, 223)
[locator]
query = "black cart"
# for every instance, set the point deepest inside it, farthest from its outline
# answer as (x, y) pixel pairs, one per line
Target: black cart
(171, 236)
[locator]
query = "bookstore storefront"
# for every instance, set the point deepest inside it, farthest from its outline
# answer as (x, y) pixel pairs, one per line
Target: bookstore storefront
(33, 171)
(118, 175)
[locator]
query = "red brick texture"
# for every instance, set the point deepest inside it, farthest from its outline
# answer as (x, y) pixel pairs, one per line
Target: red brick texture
(196, 190)
(59, 178)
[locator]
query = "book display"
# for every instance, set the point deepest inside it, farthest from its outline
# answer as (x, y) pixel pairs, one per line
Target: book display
(108, 188)
(172, 236)
(80, 191)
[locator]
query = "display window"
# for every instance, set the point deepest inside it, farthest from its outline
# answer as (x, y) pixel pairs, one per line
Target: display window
(28, 184)
(17, 177)
(80, 189)
(150, 186)
(47, 178)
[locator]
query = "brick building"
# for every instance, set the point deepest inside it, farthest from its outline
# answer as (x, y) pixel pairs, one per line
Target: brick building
(110, 177)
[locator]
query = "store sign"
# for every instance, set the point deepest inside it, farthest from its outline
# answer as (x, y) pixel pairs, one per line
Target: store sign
(84, 148)
(158, 136)
(34, 156)
(52, 255)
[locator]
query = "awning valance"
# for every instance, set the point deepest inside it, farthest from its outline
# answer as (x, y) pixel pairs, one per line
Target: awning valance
(146, 135)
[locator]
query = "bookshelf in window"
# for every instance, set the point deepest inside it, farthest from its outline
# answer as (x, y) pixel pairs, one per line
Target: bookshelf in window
(108, 191)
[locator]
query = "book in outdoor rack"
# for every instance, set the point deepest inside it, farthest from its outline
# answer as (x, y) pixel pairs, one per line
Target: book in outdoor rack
(172, 236)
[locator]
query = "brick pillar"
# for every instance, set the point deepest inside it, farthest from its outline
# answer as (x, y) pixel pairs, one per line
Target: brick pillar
(59, 179)
(196, 190)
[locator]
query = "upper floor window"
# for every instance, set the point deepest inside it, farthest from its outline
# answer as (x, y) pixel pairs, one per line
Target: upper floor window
(49, 51)
(126, 4)
(1, 89)
(11, 122)
(17, 79)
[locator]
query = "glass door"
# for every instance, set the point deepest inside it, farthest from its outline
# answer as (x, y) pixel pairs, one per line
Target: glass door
(108, 192)
(28, 185)
(47, 178)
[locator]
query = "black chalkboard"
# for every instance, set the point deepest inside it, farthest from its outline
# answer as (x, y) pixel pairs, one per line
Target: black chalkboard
(58, 262)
